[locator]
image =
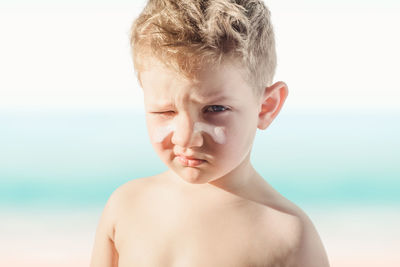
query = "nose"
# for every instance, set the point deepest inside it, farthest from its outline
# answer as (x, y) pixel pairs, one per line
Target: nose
(184, 134)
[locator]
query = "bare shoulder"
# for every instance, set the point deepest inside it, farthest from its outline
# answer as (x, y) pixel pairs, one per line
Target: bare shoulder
(294, 240)
(278, 237)
(118, 202)
(129, 189)
(104, 252)
(309, 250)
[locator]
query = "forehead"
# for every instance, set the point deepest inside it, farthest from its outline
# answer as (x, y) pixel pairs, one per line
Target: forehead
(224, 81)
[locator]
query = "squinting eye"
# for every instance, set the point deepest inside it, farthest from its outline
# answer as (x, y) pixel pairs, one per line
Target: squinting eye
(209, 109)
(216, 108)
(165, 113)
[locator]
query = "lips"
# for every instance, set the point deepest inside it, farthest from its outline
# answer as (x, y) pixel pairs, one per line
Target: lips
(192, 157)
(190, 161)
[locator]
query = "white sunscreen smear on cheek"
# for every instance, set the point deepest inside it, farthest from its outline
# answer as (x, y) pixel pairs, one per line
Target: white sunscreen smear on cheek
(163, 132)
(216, 132)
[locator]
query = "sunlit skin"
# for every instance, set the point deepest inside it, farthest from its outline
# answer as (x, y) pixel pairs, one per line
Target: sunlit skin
(218, 213)
(219, 98)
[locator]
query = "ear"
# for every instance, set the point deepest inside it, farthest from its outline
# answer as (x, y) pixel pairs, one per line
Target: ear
(271, 103)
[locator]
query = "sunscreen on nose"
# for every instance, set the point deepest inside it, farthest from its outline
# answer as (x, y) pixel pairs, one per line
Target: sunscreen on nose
(216, 132)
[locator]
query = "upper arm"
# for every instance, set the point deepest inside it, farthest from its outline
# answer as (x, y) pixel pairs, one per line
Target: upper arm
(104, 253)
(309, 250)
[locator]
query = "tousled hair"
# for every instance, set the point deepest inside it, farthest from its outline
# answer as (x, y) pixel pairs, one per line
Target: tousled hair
(187, 35)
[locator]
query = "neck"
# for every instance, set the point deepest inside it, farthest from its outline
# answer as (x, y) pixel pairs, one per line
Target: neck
(238, 180)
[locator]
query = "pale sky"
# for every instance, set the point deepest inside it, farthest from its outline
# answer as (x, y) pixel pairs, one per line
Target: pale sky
(334, 55)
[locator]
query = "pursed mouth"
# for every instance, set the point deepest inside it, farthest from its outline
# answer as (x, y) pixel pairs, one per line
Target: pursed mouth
(190, 161)
(188, 157)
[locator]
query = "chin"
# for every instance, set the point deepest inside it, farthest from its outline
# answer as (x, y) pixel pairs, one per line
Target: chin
(192, 175)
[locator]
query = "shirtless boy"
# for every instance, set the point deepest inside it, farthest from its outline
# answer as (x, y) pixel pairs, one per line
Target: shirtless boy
(206, 70)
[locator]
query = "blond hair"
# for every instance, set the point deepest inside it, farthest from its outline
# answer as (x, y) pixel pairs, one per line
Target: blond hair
(186, 35)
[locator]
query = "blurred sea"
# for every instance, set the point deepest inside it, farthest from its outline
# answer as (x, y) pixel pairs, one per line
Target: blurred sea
(77, 158)
(58, 168)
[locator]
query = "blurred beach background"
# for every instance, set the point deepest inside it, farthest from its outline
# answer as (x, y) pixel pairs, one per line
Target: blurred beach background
(72, 125)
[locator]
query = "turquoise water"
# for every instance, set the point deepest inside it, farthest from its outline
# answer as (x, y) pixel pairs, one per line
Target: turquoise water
(77, 158)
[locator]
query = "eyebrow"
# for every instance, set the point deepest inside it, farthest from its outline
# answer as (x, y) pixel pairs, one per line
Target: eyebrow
(218, 97)
(212, 98)
(207, 99)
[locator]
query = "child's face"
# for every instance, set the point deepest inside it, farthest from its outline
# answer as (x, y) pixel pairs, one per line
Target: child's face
(213, 119)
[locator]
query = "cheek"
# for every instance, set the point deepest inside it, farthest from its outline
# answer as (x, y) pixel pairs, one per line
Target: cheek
(239, 137)
(160, 135)
(234, 142)
(153, 132)
(231, 136)
(150, 128)
(154, 129)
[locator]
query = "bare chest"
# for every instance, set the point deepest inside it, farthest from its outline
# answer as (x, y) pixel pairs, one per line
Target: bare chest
(197, 238)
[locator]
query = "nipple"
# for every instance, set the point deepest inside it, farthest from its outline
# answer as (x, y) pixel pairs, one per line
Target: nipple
(216, 132)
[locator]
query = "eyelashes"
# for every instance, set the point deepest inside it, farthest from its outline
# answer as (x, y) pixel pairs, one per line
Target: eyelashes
(219, 106)
(209, 109)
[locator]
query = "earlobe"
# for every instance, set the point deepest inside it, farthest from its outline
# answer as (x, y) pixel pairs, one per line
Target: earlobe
(271, 103)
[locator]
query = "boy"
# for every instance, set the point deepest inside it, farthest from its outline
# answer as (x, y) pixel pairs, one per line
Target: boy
(206, 70)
